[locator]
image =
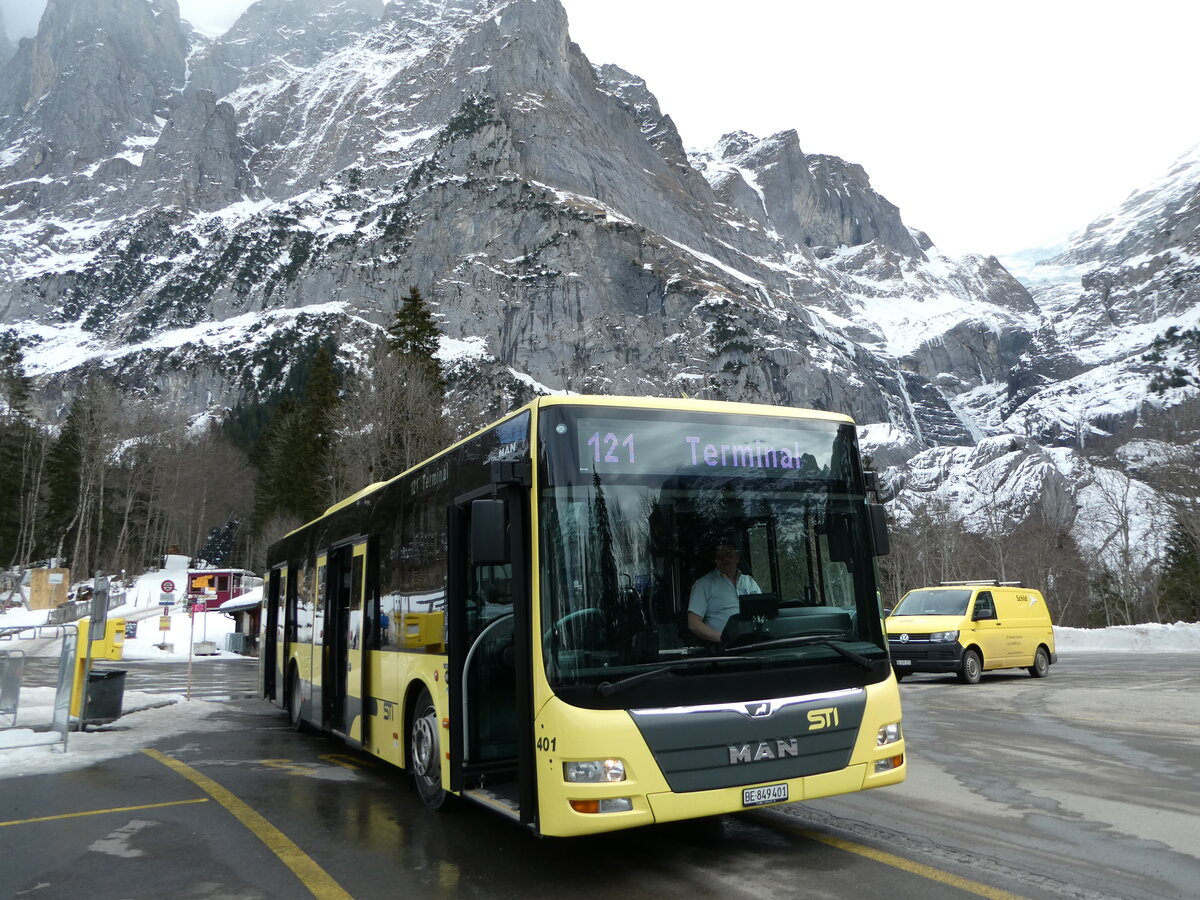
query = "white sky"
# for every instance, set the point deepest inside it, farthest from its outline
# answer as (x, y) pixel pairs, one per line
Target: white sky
(993, 127)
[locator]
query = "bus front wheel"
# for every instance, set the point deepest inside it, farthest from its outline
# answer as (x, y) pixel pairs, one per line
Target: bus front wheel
(424, 750)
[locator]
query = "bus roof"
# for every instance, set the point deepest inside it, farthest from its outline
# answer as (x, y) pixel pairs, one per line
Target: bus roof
(680, 403)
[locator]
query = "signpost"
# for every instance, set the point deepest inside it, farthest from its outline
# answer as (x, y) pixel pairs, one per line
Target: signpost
(99, 609)
(168, 586)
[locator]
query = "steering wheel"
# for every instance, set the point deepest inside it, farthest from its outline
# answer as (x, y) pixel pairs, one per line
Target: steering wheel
(743, 639)
(579, 616)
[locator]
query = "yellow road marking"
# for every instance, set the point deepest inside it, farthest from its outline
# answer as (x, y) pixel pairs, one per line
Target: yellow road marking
(288, 766)
(907, 865)
(319, 883)
(345, 760)
(100, 812)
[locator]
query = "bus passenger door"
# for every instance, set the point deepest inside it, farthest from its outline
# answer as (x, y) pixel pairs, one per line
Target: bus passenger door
(488, 625)
(341, 675)
(271, 651)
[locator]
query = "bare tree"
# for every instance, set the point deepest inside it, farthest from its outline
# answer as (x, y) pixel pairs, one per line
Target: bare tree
(92, 443)
(1126, 568)
(390, 419)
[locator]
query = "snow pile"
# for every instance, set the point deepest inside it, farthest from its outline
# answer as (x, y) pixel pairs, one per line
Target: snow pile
(1182, 637)
(147, 720)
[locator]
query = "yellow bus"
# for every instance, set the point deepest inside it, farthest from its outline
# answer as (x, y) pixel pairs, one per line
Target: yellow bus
(509, 620)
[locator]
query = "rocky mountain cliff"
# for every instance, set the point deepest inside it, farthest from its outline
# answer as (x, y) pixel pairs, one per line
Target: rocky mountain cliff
(324, 156)
(185, 213)
(6, 45)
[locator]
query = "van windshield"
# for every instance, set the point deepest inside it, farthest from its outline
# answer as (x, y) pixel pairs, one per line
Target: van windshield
(934, 603)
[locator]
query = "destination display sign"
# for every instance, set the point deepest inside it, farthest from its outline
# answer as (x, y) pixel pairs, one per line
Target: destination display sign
(644, 447)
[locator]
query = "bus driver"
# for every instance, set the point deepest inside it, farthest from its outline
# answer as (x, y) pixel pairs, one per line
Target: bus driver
(715, 594)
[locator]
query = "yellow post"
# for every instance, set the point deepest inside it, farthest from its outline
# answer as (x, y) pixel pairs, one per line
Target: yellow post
(79, 677)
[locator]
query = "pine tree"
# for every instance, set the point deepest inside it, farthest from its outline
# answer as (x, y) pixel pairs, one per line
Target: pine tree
(293, 456)
(14, 383)
(414, 333)
(16, 433)
(1179, 586)
(63, 468)
(318, 415)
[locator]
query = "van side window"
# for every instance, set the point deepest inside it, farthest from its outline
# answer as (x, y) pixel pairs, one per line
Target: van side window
(984, 607)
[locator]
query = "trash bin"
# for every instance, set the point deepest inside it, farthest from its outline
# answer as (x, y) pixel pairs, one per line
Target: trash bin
(105, 693)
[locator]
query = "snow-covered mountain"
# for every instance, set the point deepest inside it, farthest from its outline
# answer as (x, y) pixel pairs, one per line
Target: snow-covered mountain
(1106, 392)
(188, 213)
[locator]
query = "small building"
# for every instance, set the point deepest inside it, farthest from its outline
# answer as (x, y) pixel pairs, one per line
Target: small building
(48, 588)
(246, 612)
(217, 586)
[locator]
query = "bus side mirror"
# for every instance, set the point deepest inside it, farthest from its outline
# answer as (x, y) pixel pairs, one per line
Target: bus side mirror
(489, 533)
(879, 530)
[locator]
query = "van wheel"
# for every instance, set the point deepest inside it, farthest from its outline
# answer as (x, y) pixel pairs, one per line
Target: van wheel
(424, 752)
(971, 668)
(1041, 663)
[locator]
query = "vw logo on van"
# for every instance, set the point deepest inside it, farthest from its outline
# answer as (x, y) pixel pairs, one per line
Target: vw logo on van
(904, 638)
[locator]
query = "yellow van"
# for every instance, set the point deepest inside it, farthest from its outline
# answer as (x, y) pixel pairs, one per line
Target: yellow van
(970, 627)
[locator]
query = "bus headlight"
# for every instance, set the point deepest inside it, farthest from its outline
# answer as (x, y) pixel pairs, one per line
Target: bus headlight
(943, 637)
(888, 734)
(594, 771)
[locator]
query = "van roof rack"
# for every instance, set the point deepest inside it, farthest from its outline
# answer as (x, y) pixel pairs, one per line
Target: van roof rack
(988, 581)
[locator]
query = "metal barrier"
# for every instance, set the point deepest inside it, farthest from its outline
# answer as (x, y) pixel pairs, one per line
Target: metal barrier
(13, 664)
(74, 610)
(12, 667)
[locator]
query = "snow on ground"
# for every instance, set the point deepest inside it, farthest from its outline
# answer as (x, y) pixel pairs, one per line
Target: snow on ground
(148, 719)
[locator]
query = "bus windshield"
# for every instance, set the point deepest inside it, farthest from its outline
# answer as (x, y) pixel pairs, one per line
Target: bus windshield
(632, 509)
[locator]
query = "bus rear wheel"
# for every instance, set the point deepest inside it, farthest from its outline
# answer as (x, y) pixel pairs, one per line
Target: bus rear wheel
(293, 705)
(424, 752)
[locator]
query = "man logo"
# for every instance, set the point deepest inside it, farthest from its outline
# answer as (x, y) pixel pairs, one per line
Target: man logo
(822, 718)
(754, 710)
(780, 748)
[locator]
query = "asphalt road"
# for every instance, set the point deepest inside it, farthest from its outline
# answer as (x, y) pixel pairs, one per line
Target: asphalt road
(1081, 785)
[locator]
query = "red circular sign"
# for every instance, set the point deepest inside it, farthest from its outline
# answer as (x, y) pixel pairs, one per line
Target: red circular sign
(168, 586)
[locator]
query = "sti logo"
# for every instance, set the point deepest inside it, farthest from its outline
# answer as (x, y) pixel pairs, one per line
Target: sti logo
(822, 718)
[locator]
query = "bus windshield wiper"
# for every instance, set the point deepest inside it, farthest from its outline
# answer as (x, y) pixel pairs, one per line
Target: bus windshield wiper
(608, 688)
(832, 641)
